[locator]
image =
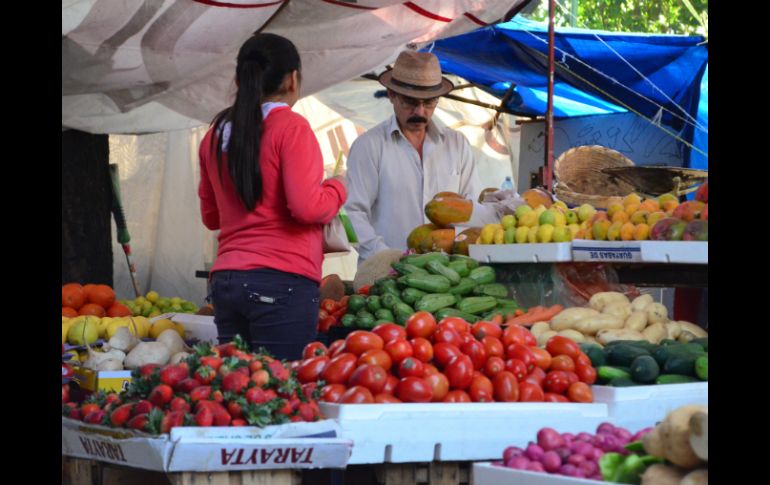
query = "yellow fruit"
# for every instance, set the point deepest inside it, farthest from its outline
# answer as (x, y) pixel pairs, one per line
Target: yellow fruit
(632, 199)
(614, 209)
(487, 234)
(539, 210)
(599, 230)
(142, 326)
(64, 319)
(620, 217)
(499, 237)
(159, 326)
(521, 234)
(179, 328)
(532, 235)
(562, 234)
(560, 204)
(86, 330)
(545, 233)
(152, 296)
(639, 217)
(529, 219)
(631, 208)
(75, 356)
(510, 235)
(65, 328)
(508, 221)
(627, 231)
(573, 229)
(613, 233)
(585, 212)
(103, 324)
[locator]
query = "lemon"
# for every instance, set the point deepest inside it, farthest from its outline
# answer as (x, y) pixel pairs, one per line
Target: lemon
(152, 296)
(65, 328)
(86, 330)
(160, 325)
(142, 326)
(103, 324)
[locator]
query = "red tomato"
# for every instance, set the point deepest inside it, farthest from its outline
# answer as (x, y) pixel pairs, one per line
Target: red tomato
(376, 357)
(494, 346)
(537, 376)
(311, 369)
(558, 345)
(580, 392)
(390, 384)
(383, 398)
(326, 324)
(420, 324)
(517, 367)
(556, 381)
(372, 377)
(457, 396)
(481, 389)
(467, 337)
(542, 357)
(322, 314)
(447, 335)
(314, 349)
(422, 349)
(493, 366)
(572, 377)
(551, 397)
(399, 349)
(529, 392)
(440, 385)
(411, 367)
(389, 331)
(583, 359)
(414, 389)
(457, 323)
(523, 353)
(329, 305)
(359, 341)
(332, 392)
(357, 395)
(516, 334)
(459, 371)
(444, 352)
(339, 369)
(586, 373)
(429, 369)
(563, 362)
(486, 329)
(334, 347)
(506, 387)
(476, 351)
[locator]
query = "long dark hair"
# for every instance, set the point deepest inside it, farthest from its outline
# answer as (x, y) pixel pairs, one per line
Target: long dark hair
(263, 62)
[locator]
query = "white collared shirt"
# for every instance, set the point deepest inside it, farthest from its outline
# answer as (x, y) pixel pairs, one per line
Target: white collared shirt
(389, 185)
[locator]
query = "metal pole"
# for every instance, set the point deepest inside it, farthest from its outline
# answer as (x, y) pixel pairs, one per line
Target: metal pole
(548, 172)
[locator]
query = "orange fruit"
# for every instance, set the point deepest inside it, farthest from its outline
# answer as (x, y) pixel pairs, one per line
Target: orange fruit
(67, 311)
(72, 295)
(118, 310)
(92, 309)
(102, 295)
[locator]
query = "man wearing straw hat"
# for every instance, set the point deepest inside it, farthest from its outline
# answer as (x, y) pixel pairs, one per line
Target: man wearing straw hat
(395, 168)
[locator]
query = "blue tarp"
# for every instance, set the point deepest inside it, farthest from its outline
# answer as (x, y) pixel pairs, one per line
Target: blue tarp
(516, 53)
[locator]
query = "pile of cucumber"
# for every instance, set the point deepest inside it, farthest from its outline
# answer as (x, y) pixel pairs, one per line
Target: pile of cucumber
(437, 283)
(637, 362)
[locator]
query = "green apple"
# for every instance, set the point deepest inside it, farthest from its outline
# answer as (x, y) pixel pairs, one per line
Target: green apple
(572, 217)
(585, 212)
(521, 210)
(510, 235)
(508, 221)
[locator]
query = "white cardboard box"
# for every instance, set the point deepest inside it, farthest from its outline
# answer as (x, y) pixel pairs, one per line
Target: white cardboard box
(488, 474)
(608, 251)
(638, 407)
(522, 253)
(417, 432)
(688, 252)
(681, 252)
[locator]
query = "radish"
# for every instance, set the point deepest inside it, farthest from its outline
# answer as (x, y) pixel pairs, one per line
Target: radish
(551, 461)
(568, 470)
(548, 439)
(563, 453)
(605, 428)
(589, 467)
(534, 452)
(581, 448)
(535, 466)
(517, 463)
(512, 451)
(576, 459)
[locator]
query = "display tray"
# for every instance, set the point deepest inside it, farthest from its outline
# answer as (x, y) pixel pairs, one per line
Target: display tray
(522, 253)
(488, 474)
(638, 407)
(671, 252)
(424, 432)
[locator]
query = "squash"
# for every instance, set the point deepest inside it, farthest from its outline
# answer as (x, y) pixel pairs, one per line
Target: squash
(418, 234)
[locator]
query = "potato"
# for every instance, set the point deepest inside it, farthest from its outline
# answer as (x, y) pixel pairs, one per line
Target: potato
(674, 330)
(539, 328)
(685, 337)
(662, 475)
(693, 329)
(599, 300)
(640, 303)
(675, 435)
(592, 340)
(543, 338)
(655, 333)
(569, 317)
(147, 353)
(618, 308)
(699, 435)
(656, 312)
(652, 442)
(573, 334)
(591, 325)
(636, 321)
(696, 477)
(606, 336)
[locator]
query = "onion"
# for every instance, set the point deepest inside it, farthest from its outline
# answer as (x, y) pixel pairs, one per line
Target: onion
(551, 461)
(534, 452)
(535, 466)
(589, 467)
(624, 434)
(549, 438)
(576, 459)
(512, 451)
(584, 437)
(568, 436)
(581, 448)
(517, 463)
(563, 453)
(596, 454)
(605, 428)
(568, 470)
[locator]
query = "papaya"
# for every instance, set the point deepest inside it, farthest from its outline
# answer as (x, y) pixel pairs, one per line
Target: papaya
(537, 197)
(447, 194)
(485, 192)
(418, 234)
(448, 210)
(465, 238)
(439, 240)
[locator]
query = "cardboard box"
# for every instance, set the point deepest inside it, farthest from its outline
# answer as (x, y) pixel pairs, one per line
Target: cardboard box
(107, 381)
(521, 253)
(488, 474)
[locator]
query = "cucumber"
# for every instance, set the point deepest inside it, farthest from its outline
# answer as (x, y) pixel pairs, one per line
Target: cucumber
(420, 260)
(662, 354)
(675, 379)
(364, 320)
(472, 263)
(389, 301)
(411, 295)
(348, 320)
(507, 303)
(384, 314)
(498, 290)
(703, 342)
(644, 369)
(373, 303)
(608, 373)
(702, 367)
(477, 304)
(356, 302)
(434, 302)
(454, 312)
(483, 275)
(624, 354)
(402, 311)
(437, 268)
(622, 382)
(461, 267)
(431, 283)
(381, 321)
(465, 287)
(595, 353)
(642, 344)
(405, 269)
(668, 341)
(680, 364)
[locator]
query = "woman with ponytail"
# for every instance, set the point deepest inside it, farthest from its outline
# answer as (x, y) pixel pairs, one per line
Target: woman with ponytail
(262, 187)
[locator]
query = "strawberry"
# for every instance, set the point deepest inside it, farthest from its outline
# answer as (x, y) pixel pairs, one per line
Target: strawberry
(179, 404)
(142, 407)
(187, 385)
(255, 365)
(218, 396)
(200, 393)
(95, 417)
(65, 393)
(307, 412)
(74, 413)
(222, 418)
(161, 395)
(204, 417)
(295, 419)
(235, 382)
(138, 422)
(309, 389)
(211, 361)
(256, 395)
(278, 370)
(172, 420)
(260, 377)
(148, 422)
(235, 408)
(87, 409)
(238, 422)
(112, 398)
(285, 408)
(243, 370)
(270, 395)
(204, 375)
(121, 414)
(147, 369)
(172, 375)
(294, 403)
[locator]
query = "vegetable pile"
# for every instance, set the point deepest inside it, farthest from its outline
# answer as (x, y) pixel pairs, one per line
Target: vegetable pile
(448, 361)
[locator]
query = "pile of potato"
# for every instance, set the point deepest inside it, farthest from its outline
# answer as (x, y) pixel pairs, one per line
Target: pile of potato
(682, 439)
(611, 316)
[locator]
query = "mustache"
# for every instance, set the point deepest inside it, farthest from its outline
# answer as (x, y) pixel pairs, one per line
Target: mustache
(416, 119)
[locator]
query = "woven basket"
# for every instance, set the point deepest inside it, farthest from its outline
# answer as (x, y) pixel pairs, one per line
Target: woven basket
(580, 179)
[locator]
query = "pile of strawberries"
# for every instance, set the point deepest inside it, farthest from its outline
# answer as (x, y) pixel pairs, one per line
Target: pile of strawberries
(216, 386)
(449, 361)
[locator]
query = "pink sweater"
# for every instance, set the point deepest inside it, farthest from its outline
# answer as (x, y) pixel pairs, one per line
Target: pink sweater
(285, 230)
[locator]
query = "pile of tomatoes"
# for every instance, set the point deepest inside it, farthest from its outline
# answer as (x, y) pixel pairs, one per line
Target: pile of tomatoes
(448, 361)
(330, 313)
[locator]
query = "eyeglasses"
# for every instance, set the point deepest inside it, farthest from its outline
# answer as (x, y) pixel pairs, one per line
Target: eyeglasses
(414, 102)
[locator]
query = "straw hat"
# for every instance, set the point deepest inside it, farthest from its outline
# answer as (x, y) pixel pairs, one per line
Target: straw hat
(417, 75)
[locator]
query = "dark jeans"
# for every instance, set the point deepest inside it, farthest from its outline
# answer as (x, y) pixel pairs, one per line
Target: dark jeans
(268, 308)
